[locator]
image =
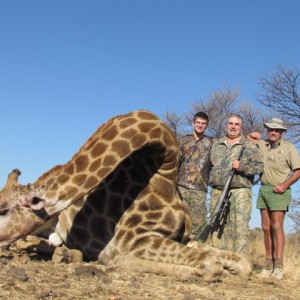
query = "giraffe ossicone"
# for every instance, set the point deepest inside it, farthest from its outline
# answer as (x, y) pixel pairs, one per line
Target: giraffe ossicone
(118, 203)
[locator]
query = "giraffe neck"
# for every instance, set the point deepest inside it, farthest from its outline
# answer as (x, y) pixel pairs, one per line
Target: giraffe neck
(112, 143)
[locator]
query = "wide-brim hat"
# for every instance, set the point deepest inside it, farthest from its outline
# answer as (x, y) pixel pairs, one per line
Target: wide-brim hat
(275, 123)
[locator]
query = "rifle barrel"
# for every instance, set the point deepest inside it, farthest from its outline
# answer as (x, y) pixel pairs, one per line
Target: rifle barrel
(203, 235)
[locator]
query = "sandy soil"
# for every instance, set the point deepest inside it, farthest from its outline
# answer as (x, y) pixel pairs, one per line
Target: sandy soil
(27, 276)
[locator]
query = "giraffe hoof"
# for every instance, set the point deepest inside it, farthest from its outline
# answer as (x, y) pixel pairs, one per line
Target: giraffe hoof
(65, 255)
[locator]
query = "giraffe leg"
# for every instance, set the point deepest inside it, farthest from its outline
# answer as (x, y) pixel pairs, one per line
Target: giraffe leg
(183, 272)
(165, 256)
(235, 263)
(108, 253)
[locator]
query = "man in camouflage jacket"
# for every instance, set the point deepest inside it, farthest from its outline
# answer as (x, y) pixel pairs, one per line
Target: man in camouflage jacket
(194, 169)
(233, 234)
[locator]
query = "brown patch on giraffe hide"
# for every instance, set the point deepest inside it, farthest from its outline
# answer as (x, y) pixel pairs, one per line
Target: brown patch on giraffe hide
(149, 224)
(155, 133)
(95, 165)
(139, 230)
(127, 122)
(151, 203)
(79, 179)
(51, 194)
(168, 243)
(81, 163)
(146, 126)
(144, 115)
(98, 149)
(129, 235)
(153, 215)
(91, 182)
(109, 160)
(110, 133)
(55, 186)
(120, 233)
(152, 254)
(169, 220)
(156, 244)
(164, 190)
(91, 145)
(71, 191)
(167, 137)
(178, 206)
(140, 252)
(133, 220)
(155, 204)
(69, 169)
(62, 178)
(103, 172)
(138, 140)
(128, 133)
(121, 148)
(50, 181)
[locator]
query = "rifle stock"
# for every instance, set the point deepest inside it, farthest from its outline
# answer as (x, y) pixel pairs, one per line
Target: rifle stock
(219, 211)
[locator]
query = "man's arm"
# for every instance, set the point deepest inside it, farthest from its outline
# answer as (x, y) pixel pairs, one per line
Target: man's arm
(281, 188)
(253, 137)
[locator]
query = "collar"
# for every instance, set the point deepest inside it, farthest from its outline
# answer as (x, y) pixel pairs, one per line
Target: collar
(240, 142)
(272, 146)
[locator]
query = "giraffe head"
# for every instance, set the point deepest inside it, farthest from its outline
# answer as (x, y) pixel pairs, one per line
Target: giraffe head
(14, 210)
(22, 208)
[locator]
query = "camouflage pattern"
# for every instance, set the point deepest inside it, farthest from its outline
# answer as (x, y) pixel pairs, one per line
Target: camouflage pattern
(196, 202)
(194, 164)
(221, 157)
(234, 234)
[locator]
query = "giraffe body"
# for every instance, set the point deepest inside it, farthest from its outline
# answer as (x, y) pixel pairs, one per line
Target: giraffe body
(118, 203)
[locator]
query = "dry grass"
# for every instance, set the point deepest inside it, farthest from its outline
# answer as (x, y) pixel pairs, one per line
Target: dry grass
(291, 257)
(23, 277)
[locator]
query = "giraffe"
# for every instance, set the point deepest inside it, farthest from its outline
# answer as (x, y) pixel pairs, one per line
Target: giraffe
(118, 203)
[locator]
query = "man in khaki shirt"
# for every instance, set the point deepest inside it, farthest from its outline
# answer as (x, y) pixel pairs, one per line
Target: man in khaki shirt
(281, 170)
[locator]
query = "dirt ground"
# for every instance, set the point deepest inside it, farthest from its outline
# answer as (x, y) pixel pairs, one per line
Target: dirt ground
(27, 276)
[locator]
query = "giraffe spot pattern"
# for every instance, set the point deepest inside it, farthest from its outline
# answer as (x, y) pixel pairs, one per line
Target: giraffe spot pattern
(79, 179)
(95, 165)
(81, 163)
(98, 150)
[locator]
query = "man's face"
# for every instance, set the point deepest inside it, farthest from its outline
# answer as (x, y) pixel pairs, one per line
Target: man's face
(200, 125)
(274, 135)
(234, 127)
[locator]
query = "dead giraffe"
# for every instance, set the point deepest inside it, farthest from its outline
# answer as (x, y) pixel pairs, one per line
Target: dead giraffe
(125, 206)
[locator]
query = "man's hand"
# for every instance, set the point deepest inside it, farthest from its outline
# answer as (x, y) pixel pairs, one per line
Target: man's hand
(236, 164)
(280, 188)
(254, 136)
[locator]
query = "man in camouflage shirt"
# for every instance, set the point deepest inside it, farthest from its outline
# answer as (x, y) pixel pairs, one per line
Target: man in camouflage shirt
(233, 235)
(194, 168)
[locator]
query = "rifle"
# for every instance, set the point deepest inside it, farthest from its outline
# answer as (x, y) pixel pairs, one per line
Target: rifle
(221, 208)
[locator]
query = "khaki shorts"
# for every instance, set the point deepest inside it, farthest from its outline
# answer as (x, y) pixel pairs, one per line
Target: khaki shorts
(267, 199)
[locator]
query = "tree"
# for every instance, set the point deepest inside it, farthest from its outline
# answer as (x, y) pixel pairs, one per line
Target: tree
(280, 93)
(294, 214)
(219, 105)
(174, 121)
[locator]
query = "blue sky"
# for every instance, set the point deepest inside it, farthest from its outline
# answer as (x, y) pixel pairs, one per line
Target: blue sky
(68, 66)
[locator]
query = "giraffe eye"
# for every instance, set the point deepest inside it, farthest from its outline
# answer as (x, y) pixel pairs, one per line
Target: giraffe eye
(35, 201)
(4, 212)
(4, 209)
